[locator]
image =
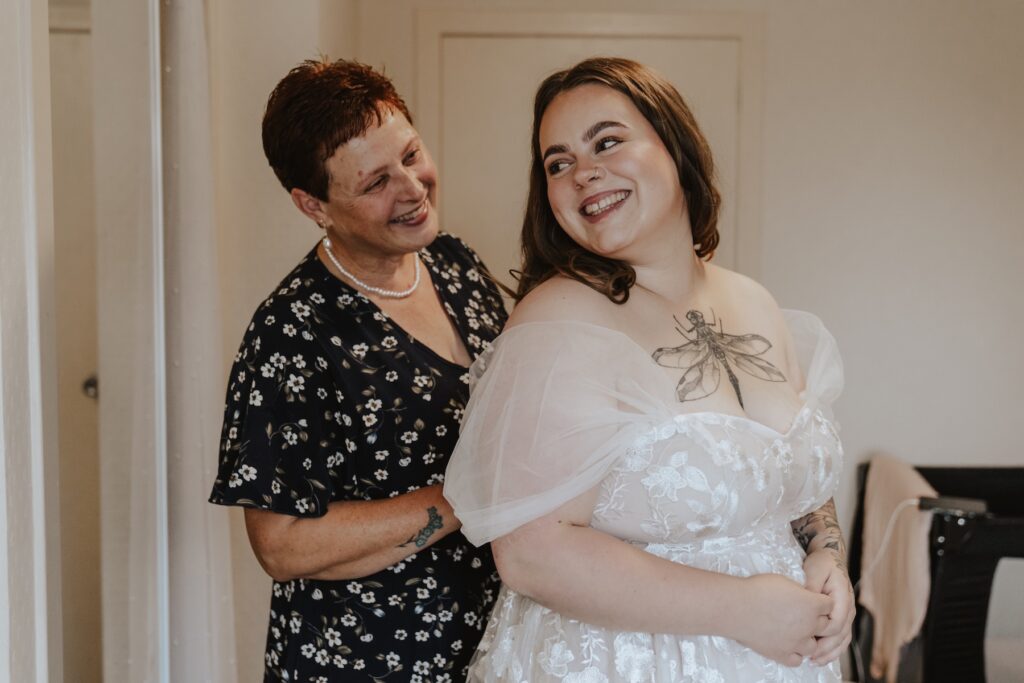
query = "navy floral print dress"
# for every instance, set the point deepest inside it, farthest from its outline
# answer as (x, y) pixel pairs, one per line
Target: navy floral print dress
(330, 400)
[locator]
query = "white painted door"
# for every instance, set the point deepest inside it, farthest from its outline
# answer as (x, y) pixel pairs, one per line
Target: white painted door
(474, 79)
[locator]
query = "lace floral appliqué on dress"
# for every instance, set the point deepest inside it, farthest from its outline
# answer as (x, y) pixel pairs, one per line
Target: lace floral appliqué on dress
(565, 407)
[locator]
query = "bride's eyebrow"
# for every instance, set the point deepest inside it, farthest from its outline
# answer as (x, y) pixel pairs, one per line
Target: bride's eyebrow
(598, 127)
(554, 149)
(589, 135)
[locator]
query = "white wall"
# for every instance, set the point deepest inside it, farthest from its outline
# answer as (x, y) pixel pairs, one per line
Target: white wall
(892, 194)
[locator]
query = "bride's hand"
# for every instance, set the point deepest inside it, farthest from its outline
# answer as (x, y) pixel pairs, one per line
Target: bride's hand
(783, 618)
(827, 576)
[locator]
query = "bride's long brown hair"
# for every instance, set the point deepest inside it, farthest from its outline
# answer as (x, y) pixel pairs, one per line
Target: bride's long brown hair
(546, 249)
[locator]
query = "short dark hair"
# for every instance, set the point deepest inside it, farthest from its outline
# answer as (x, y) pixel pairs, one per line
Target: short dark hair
(319, 106)
(546, 249)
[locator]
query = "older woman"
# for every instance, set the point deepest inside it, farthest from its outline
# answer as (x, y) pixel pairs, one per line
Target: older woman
(346, 395)
(650, 446)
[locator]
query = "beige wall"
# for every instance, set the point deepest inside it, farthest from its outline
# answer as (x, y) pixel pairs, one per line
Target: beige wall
(894, 153)
(891, 200)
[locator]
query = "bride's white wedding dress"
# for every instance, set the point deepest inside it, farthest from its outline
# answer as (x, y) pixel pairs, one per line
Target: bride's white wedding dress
(567, 406)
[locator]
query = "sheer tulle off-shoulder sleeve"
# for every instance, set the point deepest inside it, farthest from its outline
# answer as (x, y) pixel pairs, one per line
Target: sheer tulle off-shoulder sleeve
(558, 403)
(555, 404)
(818, 354)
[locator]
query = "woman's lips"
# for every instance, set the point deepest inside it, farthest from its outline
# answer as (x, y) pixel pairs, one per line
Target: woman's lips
(414, 217)
(597, 206)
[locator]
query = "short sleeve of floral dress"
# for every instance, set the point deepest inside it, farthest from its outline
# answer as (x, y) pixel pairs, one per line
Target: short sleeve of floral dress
(330, 400)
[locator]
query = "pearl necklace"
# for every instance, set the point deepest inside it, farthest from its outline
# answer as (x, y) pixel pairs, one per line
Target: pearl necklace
(379, 291)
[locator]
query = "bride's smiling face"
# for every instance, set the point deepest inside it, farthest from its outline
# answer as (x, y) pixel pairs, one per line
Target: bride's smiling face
(611, 183)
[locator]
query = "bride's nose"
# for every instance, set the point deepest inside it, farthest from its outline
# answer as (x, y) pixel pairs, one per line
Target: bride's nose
(587, 173)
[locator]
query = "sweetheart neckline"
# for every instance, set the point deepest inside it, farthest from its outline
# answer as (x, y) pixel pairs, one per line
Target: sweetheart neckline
(805, 403)
(798, 418)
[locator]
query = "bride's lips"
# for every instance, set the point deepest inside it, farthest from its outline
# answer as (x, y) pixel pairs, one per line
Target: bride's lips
(414, 217)
(597, 206)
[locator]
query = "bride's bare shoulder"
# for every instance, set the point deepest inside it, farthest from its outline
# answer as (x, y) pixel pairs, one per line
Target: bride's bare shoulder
(563, 299)
(746, 294)
(758, 311)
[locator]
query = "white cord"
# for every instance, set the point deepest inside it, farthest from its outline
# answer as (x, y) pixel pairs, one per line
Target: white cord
(858, 663)
(889, 526)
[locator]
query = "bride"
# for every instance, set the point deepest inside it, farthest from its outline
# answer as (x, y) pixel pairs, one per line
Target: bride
(648, 446)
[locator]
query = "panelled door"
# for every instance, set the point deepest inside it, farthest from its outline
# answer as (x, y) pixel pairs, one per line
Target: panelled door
(475, 74)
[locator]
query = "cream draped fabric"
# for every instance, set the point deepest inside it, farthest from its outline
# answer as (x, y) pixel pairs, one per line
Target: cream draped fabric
(559, 408)
(897, 588)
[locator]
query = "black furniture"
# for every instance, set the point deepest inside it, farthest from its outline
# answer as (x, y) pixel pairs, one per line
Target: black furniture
(964, 548)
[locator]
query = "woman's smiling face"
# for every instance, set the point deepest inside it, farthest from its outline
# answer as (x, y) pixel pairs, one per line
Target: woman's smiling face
(382, 197)
(611, 183)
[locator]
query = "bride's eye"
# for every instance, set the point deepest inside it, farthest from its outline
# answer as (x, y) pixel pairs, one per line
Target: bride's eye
(606, 143)
(556, 167)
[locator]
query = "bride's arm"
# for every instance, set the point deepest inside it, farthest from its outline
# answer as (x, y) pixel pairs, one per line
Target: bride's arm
(825, 568)
(562, 563)
(825, 565)
(820, 530)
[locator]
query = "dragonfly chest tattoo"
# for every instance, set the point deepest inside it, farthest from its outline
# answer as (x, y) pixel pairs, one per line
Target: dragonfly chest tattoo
(708, 351)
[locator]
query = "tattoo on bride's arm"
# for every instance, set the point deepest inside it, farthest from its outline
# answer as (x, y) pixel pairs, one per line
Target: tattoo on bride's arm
(434, 522)
(709, 350)
(820, 530)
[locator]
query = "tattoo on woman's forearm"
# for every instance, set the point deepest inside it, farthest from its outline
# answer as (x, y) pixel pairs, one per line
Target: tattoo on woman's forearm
(822, 529)
(434, 522)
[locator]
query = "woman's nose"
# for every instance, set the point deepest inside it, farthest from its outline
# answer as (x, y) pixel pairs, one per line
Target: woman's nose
(586, 173)
(414, 187)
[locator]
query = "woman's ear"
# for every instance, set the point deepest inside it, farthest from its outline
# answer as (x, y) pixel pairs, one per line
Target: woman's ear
(309, 206)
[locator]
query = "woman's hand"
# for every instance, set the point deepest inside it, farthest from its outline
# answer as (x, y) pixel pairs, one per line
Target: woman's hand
(825, 574)
(825, 570)
(783, 618)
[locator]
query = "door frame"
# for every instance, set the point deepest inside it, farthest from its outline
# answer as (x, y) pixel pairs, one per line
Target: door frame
(30, 625)
(130, 311)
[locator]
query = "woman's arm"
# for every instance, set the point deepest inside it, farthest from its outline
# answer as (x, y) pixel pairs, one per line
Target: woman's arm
(586, 574)
(825, 567)
(820, 530)
(353, 539)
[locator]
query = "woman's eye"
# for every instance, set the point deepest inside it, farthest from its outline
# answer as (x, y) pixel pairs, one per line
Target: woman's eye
(606, 143)
(411, 157)
(377, 184)
(557, 167)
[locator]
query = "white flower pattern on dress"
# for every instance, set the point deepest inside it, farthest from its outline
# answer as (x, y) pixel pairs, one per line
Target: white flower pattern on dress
(634, 657)
(556, 658)
(589, 675)
(320, 409)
